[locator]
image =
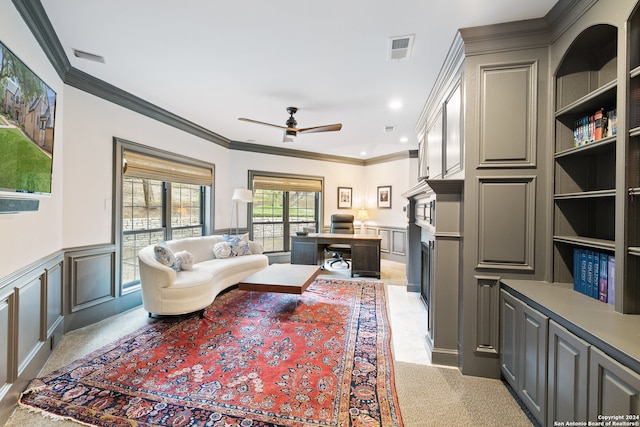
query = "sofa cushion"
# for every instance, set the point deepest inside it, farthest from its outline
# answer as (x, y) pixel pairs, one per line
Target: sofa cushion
(222, 250)
(239, 244)
(232, 265)
(163, 254)
(192, 278)
(255, 248)
(199, 247)
(184, 260)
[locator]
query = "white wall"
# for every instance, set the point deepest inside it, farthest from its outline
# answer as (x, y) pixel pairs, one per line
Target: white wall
(400, 175)
(91, 123)
(30, 236)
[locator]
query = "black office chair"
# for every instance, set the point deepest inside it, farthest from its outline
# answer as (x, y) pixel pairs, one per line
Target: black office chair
(340, 224)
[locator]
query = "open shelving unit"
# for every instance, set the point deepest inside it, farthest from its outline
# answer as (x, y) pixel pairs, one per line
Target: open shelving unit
(585, 193)
(597, 185)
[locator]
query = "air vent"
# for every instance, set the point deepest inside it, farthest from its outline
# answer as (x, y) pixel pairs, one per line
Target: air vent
(88, 56)
(400, 47)
(389, 129)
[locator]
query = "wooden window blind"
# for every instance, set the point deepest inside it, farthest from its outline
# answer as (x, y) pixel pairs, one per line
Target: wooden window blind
(149, 167)
(286, 184)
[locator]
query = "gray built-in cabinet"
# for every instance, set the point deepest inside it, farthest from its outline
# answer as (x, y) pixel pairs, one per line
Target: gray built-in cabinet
(556, 359)
(530, 198)
(484, 126)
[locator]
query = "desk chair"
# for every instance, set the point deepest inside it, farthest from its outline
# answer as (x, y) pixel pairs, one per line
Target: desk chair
(340, 224)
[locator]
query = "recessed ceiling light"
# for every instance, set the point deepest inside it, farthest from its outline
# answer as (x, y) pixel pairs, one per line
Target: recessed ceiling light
(395, 104)
(363, 153)
(404, 139)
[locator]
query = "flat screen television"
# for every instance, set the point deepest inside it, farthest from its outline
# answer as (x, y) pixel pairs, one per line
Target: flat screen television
(27, 119)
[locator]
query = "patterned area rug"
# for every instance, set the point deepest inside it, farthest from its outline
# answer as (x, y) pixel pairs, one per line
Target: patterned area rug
(256, 359)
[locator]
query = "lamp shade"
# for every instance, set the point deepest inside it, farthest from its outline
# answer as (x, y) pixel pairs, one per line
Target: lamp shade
(242, 195)
(363, 215)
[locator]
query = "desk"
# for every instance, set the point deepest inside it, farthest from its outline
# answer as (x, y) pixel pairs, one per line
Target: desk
(365, 251)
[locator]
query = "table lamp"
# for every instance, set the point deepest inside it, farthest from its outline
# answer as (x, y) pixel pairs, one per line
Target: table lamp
(363, 215)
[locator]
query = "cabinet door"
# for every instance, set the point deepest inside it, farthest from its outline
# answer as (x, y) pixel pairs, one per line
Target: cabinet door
(568, 373)
(613, 388)
(304, 251)
(365, 258)
(533, 361)
(509, 339)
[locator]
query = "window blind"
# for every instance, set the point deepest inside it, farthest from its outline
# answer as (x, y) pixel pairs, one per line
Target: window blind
(143, 166)
(286, 184)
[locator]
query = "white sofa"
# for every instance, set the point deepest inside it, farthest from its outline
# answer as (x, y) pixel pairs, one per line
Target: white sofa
(166, 291)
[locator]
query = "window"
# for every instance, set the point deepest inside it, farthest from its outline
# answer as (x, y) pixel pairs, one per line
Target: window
(160, 199)
(282, 205)
(148, 217)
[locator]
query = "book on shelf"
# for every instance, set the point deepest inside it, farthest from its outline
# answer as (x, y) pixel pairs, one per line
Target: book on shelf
(576, 269)
(583, 271)
(592, 274)
(612, 122)
(594, 127)
(597, 121)
(603, 278)
(595, 288)
(589, 285)
(611, 281)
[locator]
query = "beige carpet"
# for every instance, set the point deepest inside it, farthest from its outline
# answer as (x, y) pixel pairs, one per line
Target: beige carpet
(427, 395)
(440, 396)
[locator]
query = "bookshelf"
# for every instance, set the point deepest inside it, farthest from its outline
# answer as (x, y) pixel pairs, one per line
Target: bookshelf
(585, 193)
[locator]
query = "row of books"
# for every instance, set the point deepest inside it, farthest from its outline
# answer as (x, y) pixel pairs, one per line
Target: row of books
(594, 274)
(593, 128)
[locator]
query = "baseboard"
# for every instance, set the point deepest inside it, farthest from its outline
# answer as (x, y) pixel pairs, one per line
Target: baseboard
(443, 356)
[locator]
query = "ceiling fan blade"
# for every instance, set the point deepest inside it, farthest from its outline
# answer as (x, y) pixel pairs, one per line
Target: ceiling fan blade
(261, 123)
(325, 128)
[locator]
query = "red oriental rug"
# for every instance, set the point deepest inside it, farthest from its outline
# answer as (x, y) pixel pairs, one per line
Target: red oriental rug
(256, 359)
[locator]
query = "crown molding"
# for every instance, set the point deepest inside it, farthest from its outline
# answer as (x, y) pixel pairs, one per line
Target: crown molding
(287, 152)
(564, 14)
(400, 155)
(447, 77)
(504, 37)
(301, 154)
(38, 22)
(87, 83)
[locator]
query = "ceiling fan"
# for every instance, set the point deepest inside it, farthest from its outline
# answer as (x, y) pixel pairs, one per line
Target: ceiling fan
(291, 131)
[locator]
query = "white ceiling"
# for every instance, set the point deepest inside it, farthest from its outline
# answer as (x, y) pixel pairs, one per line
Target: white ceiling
(212, 62)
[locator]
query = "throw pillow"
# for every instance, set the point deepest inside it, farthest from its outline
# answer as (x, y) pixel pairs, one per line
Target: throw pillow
(239, 244)
(163, 254)
(221, 250)
(184, 260)
(255, 247)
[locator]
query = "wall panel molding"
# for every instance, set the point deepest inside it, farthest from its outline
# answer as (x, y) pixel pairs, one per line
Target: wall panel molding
(506, 222)
(399, 242)
(91, 277)
(487, 315)
(29, 330)
(508, 115)
(52, 292)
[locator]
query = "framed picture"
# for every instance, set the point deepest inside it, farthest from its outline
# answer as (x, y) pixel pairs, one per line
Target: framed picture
(344, 197)
(384, 197)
